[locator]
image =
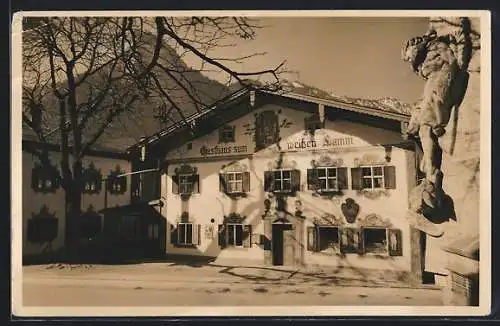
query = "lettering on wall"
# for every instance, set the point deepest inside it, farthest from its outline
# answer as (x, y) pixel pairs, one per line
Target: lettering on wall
(223, 150)
(327, 142)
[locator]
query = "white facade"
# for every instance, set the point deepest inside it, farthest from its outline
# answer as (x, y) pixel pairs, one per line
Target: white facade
(338, 144)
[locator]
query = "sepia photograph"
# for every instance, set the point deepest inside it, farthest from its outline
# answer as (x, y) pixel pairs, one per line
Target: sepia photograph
(251, 163)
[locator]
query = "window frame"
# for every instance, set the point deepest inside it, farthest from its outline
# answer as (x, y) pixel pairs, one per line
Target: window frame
(327, 177)
(372, 177)
(185, 243)
(234, 181)
(183, 184)
(227, 134)
(387, 248)
(318, 238)
(227, 235)
(282, 179)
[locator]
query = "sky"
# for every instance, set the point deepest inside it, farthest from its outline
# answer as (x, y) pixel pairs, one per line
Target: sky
(350, 56)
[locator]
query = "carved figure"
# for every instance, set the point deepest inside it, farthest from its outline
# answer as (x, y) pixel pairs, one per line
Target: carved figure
(440, 61)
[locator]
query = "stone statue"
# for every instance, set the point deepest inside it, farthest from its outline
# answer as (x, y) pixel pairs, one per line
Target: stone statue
(440, 62)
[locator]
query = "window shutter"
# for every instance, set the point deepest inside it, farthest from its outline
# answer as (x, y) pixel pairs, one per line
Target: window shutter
(173, 234)
(390, 177)
(395, 244)
(312, 241)
(246, 181)
(268, 181)
(356, 178)
(222, 182)
(342, 178)
(195, 234)
(247, 236)
(361, 241)
(222, 235)
(312, 179)
(196, 183)
(175, 184)
(34, 178)
(199, 234)
(295, 174)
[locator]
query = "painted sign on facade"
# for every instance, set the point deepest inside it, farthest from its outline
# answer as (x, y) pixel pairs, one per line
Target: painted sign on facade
(325, 143)
(223, 150)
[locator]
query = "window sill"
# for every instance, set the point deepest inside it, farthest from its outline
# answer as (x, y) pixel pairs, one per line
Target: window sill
(188, 246)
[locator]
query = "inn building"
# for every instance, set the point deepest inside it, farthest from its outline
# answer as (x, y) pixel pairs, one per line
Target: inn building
(289, 179)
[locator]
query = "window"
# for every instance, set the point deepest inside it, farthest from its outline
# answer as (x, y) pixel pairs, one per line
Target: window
(327, 179)
(116, 185)
(235, 182)
(185, 233)
(282, 181)
(235, 235)
(185, 184)
(44, 178)
(226, 134)
(373, 177)
(91, 180)
(375, 240)
(328, 238)
(312, 123)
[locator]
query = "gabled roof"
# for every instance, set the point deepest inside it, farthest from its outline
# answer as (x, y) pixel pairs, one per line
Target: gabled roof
(387, 109)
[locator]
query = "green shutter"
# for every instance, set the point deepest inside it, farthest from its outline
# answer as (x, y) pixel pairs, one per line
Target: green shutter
(222, 235)
(342, 178)
(295, 174)
(312, 179)
(390, 177)
(268, 181)
(196, 183)
(246, 181)
(175, 184)
(222, 182)
(247, 236)
(312, 238)
(395, 242)
(356, 178)
(173, 234)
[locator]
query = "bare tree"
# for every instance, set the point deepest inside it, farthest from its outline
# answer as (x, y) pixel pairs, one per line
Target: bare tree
(85, 72)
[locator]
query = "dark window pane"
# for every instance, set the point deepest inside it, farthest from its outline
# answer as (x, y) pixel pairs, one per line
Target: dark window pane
(287, 185)
(277, 174)
(367, 183)
(182, 233)
(329, 239)
(277, 184)
(378, 183)
(375, 240)
(239, 235)
(332, 172)
(367, 172)
(189, 233)
(322, 183)
(230, 234)
(286, 174)
(239, 176)
(230, 176)
(332, 183)
(377, 170)
(321, 172)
